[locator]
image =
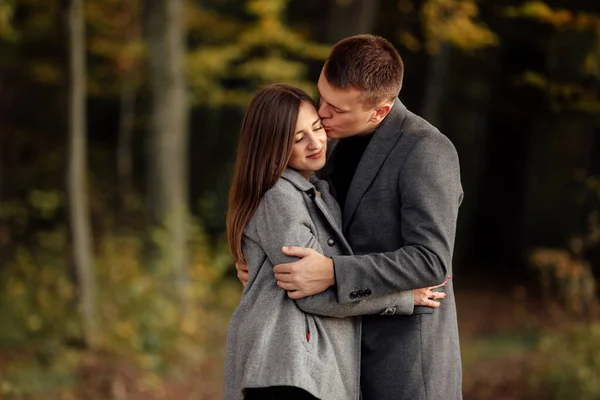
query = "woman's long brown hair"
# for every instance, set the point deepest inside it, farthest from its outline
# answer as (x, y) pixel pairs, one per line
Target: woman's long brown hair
(264, 149)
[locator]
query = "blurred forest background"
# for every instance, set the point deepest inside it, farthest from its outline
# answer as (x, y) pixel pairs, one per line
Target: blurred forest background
(118, 124)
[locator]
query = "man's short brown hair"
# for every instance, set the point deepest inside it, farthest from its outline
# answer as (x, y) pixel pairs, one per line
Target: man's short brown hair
(368, 63)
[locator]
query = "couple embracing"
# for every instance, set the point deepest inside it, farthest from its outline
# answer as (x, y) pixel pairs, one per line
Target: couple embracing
(344, 254)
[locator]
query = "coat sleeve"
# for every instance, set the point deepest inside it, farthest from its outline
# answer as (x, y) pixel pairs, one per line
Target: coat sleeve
(430, 195)
(283, 220)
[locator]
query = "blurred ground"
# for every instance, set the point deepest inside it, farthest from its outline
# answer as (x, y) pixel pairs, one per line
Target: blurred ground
(499, 334)
(499, 337)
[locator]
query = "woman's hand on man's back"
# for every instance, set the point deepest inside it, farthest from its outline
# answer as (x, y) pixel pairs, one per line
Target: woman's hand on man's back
(242, 272)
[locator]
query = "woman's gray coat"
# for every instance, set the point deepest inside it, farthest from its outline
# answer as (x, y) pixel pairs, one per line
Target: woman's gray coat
(273, 340)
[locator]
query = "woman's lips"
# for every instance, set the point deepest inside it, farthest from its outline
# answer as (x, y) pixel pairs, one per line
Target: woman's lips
(316, 155)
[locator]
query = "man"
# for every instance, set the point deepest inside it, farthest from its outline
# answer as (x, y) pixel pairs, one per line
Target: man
(397, 180)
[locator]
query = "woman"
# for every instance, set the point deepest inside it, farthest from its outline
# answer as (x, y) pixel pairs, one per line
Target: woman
(277, 347)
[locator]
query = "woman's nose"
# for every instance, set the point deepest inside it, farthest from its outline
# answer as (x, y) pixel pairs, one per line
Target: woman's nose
(314, 142)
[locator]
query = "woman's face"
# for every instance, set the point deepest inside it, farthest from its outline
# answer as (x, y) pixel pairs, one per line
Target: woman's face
(310, 142)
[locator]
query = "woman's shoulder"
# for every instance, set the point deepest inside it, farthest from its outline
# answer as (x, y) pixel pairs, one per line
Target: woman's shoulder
(283, 193)
(283, 202)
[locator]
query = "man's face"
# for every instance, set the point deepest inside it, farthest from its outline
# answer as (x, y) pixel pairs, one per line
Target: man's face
(342, 113)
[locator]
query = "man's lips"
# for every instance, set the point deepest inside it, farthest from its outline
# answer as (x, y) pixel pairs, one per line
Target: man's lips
(316, 155)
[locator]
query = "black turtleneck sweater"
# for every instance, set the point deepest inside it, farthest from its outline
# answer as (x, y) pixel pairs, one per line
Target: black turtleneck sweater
(348, 153)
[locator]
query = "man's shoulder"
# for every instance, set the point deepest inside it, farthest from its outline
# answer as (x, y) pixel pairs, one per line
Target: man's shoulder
(417, 130)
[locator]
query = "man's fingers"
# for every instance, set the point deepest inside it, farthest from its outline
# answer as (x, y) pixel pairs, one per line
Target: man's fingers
(286, 286)
(294, 251)
(286, 278)
(282, 268)
(296, 294)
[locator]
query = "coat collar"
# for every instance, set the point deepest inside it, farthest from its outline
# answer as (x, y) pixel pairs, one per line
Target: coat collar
(315, 183)
(380, 146)
(294, 177)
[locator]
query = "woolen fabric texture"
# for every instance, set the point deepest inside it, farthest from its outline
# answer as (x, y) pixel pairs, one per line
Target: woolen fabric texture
(267, 343)
(400, 219)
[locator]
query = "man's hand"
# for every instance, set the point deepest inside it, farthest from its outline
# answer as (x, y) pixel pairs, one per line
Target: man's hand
(242, 272)
(310, 275)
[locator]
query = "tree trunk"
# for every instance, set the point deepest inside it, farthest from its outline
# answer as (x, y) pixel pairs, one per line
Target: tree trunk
(132, 32)
(351, 17)
(124, 155)
(436, 80)
(167, 156)
(76, 176)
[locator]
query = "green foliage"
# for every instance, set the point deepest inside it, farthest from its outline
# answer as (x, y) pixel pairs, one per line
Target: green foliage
(262, 51)
(452, 21)
(7, 31)
(569, 367)
(566, 94)
(115, 40)
(566, 272)
(560, 18)
(141, 319)
(456, 22)
(37, 292)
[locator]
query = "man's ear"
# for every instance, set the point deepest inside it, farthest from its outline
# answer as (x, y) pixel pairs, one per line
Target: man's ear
(381, 112)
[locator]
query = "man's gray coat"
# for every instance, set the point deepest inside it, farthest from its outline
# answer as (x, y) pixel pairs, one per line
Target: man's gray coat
(400, 219)
(273, 340)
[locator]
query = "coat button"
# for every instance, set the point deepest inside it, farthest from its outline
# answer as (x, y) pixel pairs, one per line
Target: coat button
(353, 295)
(311, 195)
(389, 311)
(330, 242)
(368, 292)
(360, 293)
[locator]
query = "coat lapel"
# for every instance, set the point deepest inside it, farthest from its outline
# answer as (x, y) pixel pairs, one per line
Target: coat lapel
(323, 204)
(373, 158)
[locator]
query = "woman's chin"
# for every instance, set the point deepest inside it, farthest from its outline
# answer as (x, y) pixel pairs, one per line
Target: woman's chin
(319, 165)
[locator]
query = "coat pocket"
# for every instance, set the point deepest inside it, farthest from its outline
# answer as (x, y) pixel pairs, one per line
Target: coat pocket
(306, 328)
(422, 310)
(309, 332)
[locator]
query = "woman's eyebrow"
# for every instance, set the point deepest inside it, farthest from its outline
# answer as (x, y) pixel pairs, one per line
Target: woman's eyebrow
(302, 130)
